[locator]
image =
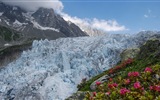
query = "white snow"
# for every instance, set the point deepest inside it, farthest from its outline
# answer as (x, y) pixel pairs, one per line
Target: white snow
(7, 44)
(15, 8)
(1, 13)
(17, 23)
(36, 25)
(51, 70)
(6, 22)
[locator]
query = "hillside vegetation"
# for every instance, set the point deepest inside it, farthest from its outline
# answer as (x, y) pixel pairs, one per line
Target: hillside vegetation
(131, 79)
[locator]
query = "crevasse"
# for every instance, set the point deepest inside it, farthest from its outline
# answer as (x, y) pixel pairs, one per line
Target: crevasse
(51, 70)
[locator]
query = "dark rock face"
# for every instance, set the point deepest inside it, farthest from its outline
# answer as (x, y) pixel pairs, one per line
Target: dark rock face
(12, 13)
(42, 24)
(48, 18)
(151, 47)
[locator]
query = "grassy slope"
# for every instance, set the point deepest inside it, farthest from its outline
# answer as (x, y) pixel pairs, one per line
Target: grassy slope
(8, 34)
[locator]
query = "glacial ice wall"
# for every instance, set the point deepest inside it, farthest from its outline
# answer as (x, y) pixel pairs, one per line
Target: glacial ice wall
(51, 70)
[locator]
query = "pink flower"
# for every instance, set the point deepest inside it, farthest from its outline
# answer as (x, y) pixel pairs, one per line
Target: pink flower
(147, 69)
(94, 94)
(115, 84)
(110, 79)
(98, 83)
(112, 85)
(123, 91)
(108, 93)
(151, 87)
(135, 74)
(130, 74)
(137, 85)
(127, 81)
(157, 88)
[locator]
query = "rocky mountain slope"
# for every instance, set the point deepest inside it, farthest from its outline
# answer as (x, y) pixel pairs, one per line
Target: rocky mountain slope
(42, 24)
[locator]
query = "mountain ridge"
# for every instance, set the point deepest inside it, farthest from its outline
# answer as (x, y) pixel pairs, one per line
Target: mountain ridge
(43, 23)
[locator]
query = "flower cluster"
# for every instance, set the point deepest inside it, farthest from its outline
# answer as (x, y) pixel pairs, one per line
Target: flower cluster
(133, 74)
(98, 83)
(155, 88)
(137, 85)
(134, 86)
(147, 69)
(113, 85)
(122, 65)
(123, 91)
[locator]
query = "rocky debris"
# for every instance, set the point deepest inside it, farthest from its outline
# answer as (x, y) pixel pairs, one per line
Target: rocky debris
(77, 96)
(129, 53)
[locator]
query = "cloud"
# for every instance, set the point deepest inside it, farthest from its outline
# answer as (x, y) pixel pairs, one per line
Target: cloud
(146, 16)
(33, 5)
(149, 14)
(105, 25)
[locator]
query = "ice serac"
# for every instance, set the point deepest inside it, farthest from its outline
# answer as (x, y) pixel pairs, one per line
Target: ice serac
(51, 70)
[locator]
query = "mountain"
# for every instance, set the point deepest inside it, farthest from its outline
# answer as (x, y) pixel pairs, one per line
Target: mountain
(51, 70)
(90, 31)
(43, 23)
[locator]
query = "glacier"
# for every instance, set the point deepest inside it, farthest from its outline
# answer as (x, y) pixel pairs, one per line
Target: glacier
(51, 70)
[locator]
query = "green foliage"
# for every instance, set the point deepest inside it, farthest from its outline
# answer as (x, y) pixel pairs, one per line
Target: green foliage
(137, 85)
(8, 34)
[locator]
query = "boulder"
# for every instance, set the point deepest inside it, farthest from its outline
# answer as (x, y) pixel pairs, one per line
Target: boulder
(129, 53)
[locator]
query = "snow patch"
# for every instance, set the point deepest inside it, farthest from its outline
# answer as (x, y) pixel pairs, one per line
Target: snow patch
(15, 8)
(36, 25)
(7, 44)
(17, 23)
(6, 22)
(1, 13)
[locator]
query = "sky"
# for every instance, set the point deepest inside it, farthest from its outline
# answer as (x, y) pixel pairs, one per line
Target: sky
(134, 15)
(119, 16)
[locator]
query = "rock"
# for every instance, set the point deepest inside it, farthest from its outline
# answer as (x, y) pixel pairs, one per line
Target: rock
(101, 79)
(129, 53)
(77, 96)
(151, 47)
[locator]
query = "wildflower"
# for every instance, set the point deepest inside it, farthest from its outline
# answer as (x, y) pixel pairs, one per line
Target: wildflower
(115, 84)
(123, 91)
(98, 83)
(147, 69)
(157, 88)
(130, 74)
(151, 87)
(129, 60)
(94, 94)
(108, 93)
(137, 85)
(135, 74)
(127, 81)
(110, 79)
(112, 85)
(111, 71)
